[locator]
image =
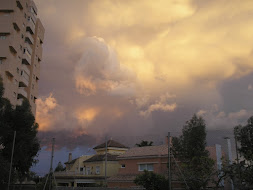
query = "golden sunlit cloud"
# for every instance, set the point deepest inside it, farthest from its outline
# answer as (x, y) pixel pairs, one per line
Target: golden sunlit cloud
(85, 116)
(138, 51)
(48, 112)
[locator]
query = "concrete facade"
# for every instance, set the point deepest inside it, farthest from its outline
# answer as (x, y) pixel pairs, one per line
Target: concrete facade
(21, 39)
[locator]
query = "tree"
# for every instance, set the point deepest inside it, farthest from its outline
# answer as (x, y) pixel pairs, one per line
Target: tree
(59, 167)
(144, 143)
(27, 145)
(151, 181)
(190, 150)
(241, 172)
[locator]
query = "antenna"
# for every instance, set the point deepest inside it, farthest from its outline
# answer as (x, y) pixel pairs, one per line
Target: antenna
(51, 171)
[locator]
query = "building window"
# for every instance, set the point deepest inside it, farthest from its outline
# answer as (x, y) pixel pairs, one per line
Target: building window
(123, 165)
(97, 169)
(2, 36)
(17, 70)
(88, 171)
(1, 61)
(32, 86)
(148, 167)
(20, 47)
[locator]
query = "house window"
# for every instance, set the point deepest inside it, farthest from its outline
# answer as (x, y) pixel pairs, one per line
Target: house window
(123, 165)
(81, 169)
(148, 167)
(97, 169)
(88, 171)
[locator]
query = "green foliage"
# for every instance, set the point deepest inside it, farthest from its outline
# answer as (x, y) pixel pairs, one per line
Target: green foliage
(241, 172)
(27, 146)
(151, 181)
(144, 143)
(244, 135)
(189, 149)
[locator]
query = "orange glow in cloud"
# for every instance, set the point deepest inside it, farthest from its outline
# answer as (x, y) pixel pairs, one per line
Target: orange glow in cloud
(86, 115)
(48, 112)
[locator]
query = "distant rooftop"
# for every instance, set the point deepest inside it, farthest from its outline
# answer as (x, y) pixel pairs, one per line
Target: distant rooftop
(111, 143)
(161, 150)
(101, 157)
(71, 162)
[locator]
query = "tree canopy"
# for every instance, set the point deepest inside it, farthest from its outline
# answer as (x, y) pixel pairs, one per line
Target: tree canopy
(151, 181)
(190, 150)
(241, 171)
(144, 143)
(21, 120)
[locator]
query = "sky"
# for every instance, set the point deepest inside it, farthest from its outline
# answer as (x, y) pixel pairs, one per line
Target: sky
(132, 69)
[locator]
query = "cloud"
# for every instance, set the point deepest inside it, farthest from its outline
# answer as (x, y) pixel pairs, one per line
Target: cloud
(160, 104)
(98, 70)
(48, 112)
(217, 119)
(109, 63)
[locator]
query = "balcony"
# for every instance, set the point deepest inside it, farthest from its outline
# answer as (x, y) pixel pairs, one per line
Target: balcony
(22, 93)
(26, 59)
(16, 27)
(23, 82)
(26, 69)
(30, 27)
(13, 46)
(19, 5)
(29, 39)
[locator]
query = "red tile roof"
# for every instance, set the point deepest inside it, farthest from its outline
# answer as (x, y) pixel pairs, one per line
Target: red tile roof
(101, 157)
(146, 151)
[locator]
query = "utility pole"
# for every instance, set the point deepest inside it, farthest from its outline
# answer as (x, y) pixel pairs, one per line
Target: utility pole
(13, 145)
(106, 161)
(169, 174)
(51, 172)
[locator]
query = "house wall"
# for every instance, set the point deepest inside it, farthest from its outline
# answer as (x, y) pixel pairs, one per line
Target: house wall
(78, 164)
(112, 168)
(132, 165)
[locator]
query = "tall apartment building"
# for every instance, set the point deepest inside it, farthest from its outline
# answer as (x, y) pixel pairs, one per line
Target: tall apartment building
(21, 39)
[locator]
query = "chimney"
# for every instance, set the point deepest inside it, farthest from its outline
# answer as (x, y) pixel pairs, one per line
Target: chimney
(167, 140)
(70, 157)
